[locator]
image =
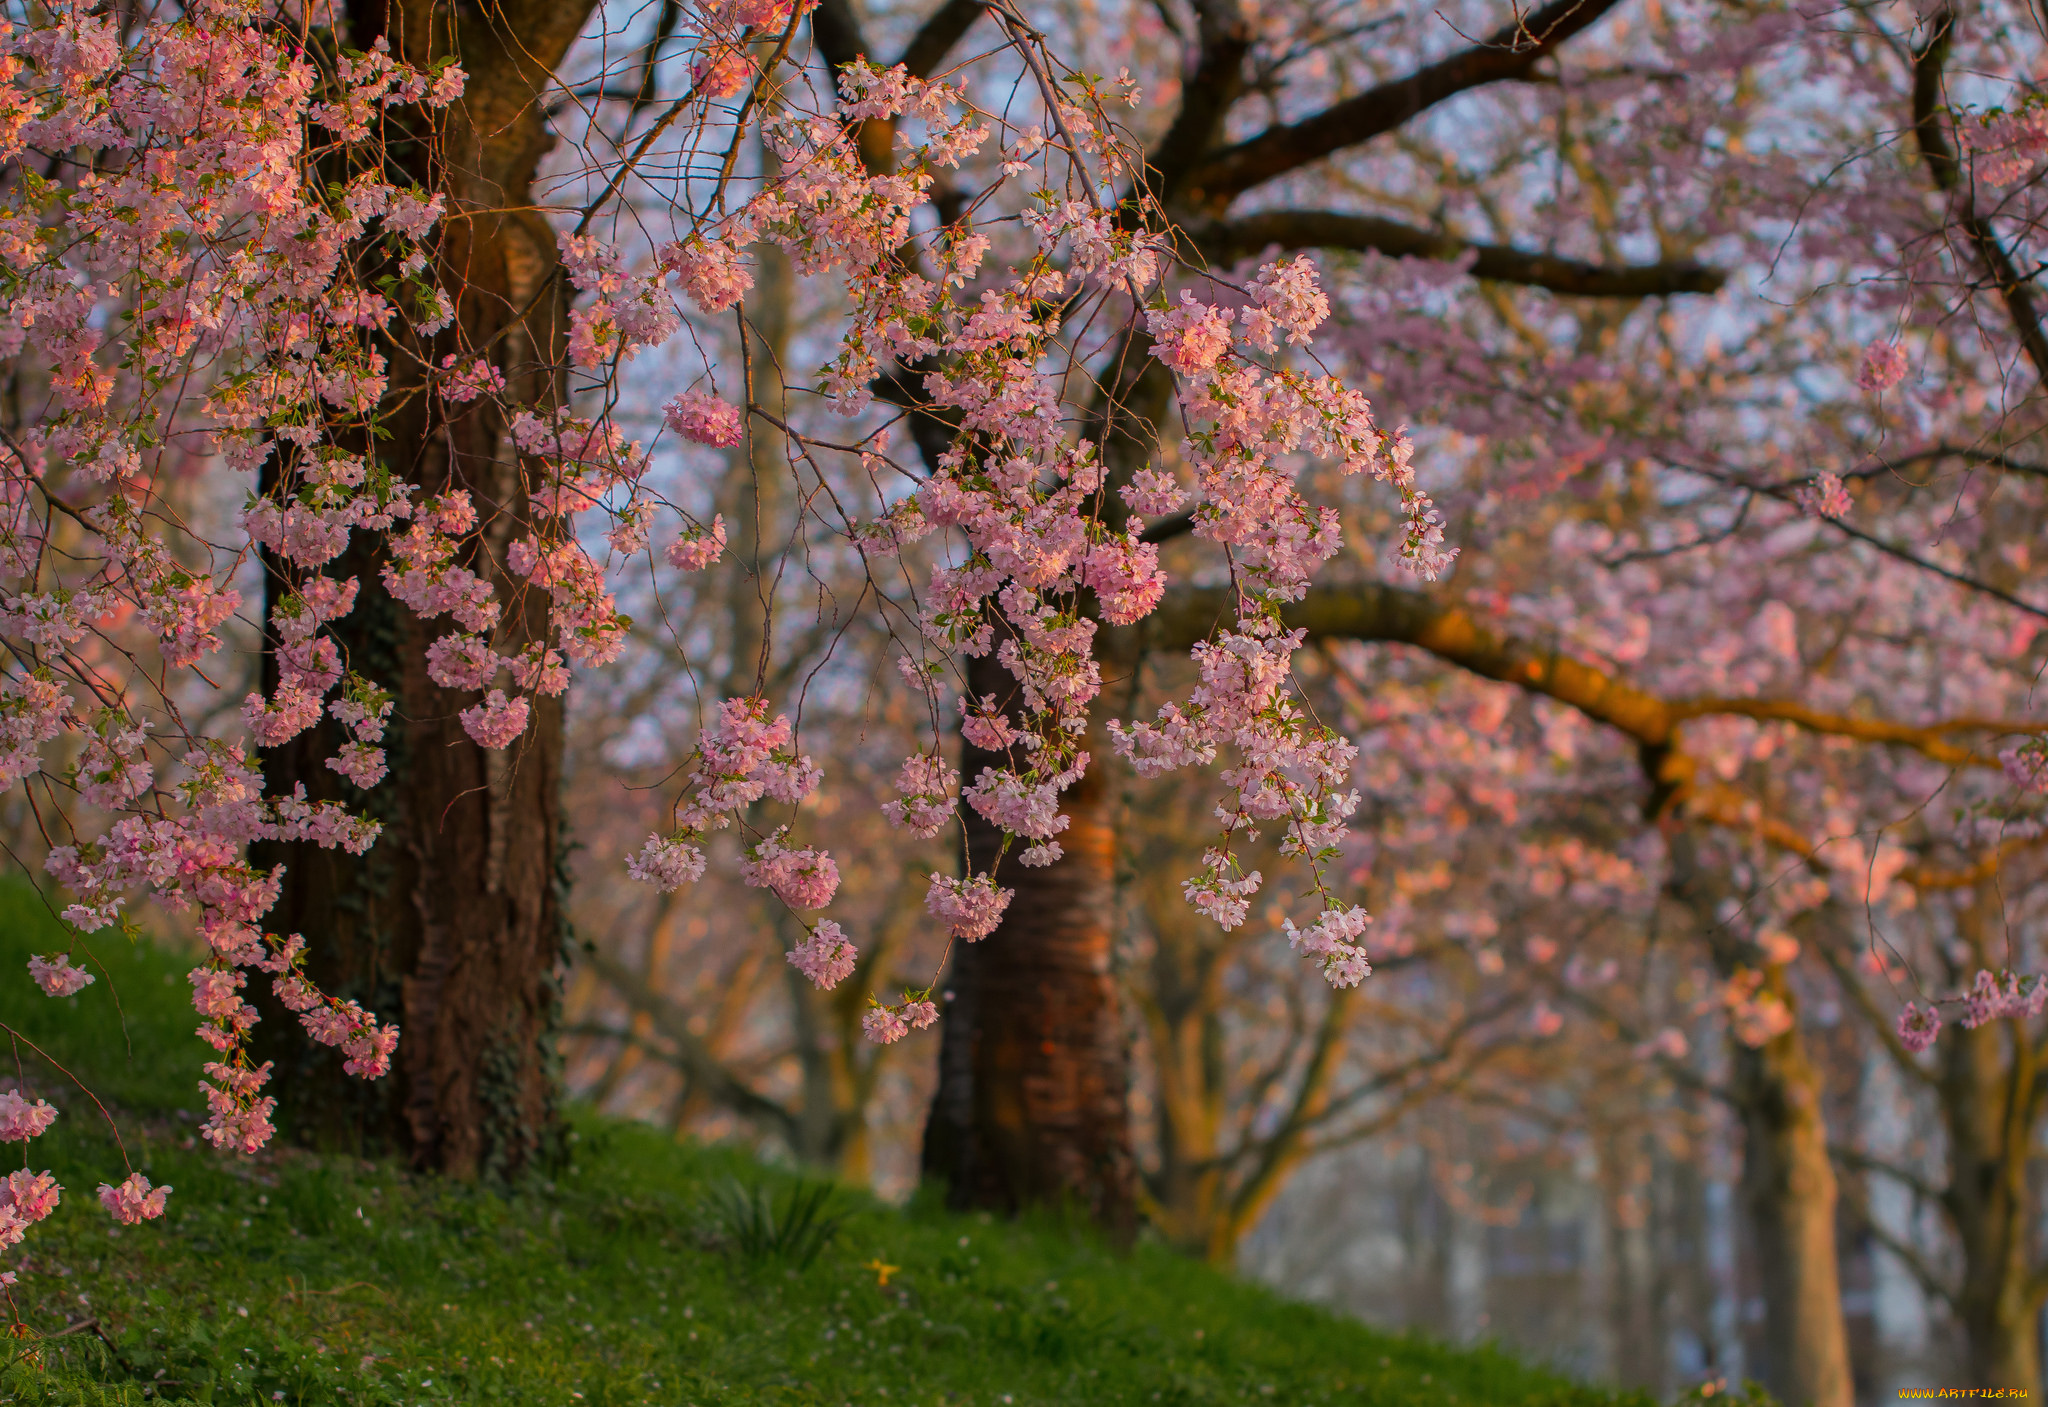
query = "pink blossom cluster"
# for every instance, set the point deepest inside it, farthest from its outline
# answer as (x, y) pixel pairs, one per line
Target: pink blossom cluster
(21, 1120)
(59, 978)
(886, 1025)
(1825, 497)
(802, 879)
(698, 546)
(1884, 366)
(2006, 145)
(1022, 493)
(928, 785)
(826, 956)
(134, 1201)
(1332, 940)
(704, 419)
(1918, 1026)
(627, 315)
(710, 272)
(25, 1199)
(2017, 998)
(970, 908)
(745, 758)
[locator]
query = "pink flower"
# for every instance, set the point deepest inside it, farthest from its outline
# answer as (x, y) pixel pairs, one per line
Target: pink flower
(1285, 299)
(20, 1120)
(33, 1195)
(985, 726)
(59, 978)
(466, 383)
(361, 763)
(1824, 497)
(25, 1199)
(927, 784)
(369, 1050)
(710, 272)
(1126, 578)
(1884, 366)
(1154, 491)
(133, 1201)
(447, 86)
(971, 908)
(668, 865)
(721, 74)
(461, 661)
(805, 879)
(496, 721)
(883, 1025)
(1918, 1026)
(233, 1122)
(1333, 940)
(825, 956)
(704, 418)
(283, 716)
(1191, 338)
(699, 546)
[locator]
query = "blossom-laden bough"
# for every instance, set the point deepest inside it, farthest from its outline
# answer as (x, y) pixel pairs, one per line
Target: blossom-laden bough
(246, 280)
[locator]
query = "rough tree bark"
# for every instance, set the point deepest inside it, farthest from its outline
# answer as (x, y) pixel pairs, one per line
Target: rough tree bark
(452, 925)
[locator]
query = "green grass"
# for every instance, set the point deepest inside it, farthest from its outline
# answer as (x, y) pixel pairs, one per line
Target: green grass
(327, 1280)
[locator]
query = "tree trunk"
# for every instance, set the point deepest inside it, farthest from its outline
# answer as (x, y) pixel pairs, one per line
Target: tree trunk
(1990, 1104)
(1788, 1188)
(1034, 1073)
(452, 925)
(1788, 1182)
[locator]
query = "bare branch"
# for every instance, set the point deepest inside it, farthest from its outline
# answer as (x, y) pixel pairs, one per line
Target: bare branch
(1226, 241)
(1510, 52)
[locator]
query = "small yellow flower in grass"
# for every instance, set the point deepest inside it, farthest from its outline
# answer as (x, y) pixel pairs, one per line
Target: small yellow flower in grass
(882, 1272)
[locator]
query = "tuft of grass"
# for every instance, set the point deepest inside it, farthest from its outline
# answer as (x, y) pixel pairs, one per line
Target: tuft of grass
(746, 1220)
(328, 1280)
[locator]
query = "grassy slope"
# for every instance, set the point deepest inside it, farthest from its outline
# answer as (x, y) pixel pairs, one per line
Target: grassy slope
(302, 1280)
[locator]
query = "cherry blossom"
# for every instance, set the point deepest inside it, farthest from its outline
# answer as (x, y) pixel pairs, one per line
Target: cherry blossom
(704, 418)
(58, 978)
(134, 1201)
(825, 956)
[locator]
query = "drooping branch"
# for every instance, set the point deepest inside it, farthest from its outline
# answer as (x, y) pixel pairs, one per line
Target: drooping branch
(1510, 52)
(1227, 241)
